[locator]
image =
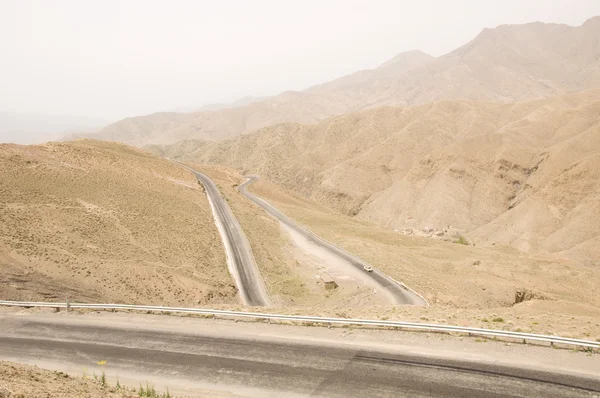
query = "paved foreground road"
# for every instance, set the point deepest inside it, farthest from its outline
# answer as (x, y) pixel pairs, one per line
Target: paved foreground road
(224, 357)
(398, 294)
(240, 259)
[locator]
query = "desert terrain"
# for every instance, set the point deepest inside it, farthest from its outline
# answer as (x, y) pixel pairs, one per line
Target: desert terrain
(102, 222)
(99, 221)
(522, 174)
(489, 287)
(461, 189)
(111, 259)
(104, 240)
(487, 210)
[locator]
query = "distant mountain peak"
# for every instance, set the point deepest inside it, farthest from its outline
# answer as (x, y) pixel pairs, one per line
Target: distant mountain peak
(489, 32)
(407, 57)
(509, 63)
(593, 21)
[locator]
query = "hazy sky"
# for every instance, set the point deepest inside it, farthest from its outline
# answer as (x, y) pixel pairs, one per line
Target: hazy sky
(111, 59)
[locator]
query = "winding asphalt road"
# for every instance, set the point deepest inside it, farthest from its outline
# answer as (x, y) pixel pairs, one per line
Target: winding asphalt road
(400, 294)
(189, 361)
(240, 259)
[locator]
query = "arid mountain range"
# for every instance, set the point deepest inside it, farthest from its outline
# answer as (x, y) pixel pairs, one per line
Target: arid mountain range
(506, 64)
(498, 141)
(525, 174)
(461, 190)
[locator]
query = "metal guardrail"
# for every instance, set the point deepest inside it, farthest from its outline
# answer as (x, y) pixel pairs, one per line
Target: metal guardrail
(296, 318)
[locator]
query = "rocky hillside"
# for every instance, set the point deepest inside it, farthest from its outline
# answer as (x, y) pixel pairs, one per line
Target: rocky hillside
(505, 64)
(525, 174)
(103, 222)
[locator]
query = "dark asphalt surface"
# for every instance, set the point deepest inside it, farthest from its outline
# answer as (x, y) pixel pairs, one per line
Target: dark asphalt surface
(400, 294)
(233, 363)
(250, 283)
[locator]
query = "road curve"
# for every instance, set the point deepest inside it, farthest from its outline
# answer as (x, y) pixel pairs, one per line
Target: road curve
(400, 294)
(240, 259)
(188, 361)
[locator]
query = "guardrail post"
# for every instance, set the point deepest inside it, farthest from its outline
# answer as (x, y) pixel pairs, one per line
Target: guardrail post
(67, 303)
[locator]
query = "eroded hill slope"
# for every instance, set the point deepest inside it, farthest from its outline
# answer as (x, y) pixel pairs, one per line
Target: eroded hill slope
(525, 174)
(100, 221)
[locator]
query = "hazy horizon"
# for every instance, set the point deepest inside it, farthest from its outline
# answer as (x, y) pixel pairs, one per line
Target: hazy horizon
(110, 60)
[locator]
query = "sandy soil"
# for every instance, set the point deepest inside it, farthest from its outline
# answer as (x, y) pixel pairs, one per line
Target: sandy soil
(353, 289)
(27, 381)
(100, 221)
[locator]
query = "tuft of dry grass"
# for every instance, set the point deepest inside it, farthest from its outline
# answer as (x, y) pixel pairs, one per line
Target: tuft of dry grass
(18, 380)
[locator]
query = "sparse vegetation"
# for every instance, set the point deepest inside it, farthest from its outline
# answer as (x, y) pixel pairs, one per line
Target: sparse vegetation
(79, 215)
(498, 320)
(462, 241)
(19, 379)
(150, 392)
